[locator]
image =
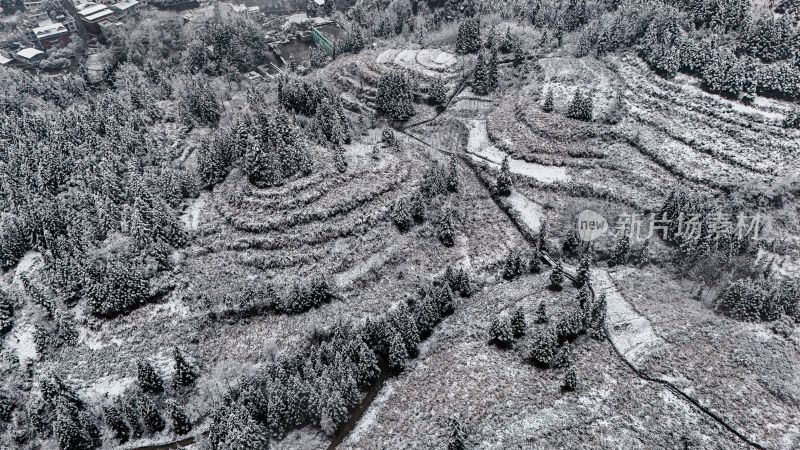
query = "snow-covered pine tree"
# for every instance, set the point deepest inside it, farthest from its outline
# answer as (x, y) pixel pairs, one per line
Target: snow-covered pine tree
(469, 36)
(572, 243)
(535, 262)
(504, 179)
(185, 374)
(401, 214)
(544, 347)
(398, 355)
(151, 417)
(493, 72)
(557, 276)
(621, 252)
(519, 54)
(584, 296)
(149, 380)
(480, 83)
(582, 277)
(452, 175)
(438, 91)
(500, 332)
(339, 159)
(395, 96)
(445, 227)
(114, 421)
(541, 313)
(181, 424)
(457, 439)
(6, 313)
(570, 380)
(507, 44)
(464, 284)
(581, 106)
(548, 102)
(417, 207)
(518, 324)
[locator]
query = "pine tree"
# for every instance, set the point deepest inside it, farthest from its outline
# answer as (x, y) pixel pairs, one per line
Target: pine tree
(504, 180)
(339, 159)
(548, 106)
(584, 296)
(492, 72)
(519, 54)
(507, 44)
(581, 107)
(464, 285)
(570, 380)
(6, 313)
(401, 215)
(501, 333)
(185, 375)
(417, 207)
(582, 277)
(151, 416)
(114, 421)
(395, 96)
(469, 36)
(541, 313)
(544, 347)
(438, 92)
(620, 254)
(572, 243)
(535, 264)
(149, 379)
(518, 325)
(557, 276)
(452, 175)
(398, 355)
(445, 229)
(514, 266)
(458, 438)
(481, 83)
(387, 137)
(181, 424)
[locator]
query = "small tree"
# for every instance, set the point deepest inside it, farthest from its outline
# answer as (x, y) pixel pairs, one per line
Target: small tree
(504, 180)
(535, 264)
(621, 251)
(445, 228)
(584, 296)
(557, 277)
(548, 106)
(387, 138)
(501, 333)
(119, 429)
(541, 313)
(149, 380)
(518, 325)
(458, 436)
(481, 82)
(581, 107)
(452, 176)
(544, 347)
(185, 374)
(570, 380)
(398, 353)
(582, 277)
(469, 36)
(438, 92)
(181, 424)
(401, 215)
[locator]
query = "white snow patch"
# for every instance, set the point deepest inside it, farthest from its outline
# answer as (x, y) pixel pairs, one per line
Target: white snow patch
(29, 261)
(429, 62)
(368, 419)
(479, 145)
(108, 387)
(530, 212)
(630, 332)
(21, 342)
(191, 218)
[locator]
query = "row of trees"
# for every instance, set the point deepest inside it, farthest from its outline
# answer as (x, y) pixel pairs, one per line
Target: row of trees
(322, 381)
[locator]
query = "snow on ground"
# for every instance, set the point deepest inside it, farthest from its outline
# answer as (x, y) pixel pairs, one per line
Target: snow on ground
(430, 62)
(530, 212)
(28, 262)
(630, 331)
(191, 218)
(479, 145)
(368, 419)
(107, 386)
(376, 260)
(21, 342)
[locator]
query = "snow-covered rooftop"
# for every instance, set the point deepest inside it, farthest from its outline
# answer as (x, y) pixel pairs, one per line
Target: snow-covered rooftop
(126, 4)
(49, 30)
(99, 15)
(4, 60)
(29, 53)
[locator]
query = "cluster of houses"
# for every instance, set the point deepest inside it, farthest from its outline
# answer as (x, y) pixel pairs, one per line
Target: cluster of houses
(46, 32)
